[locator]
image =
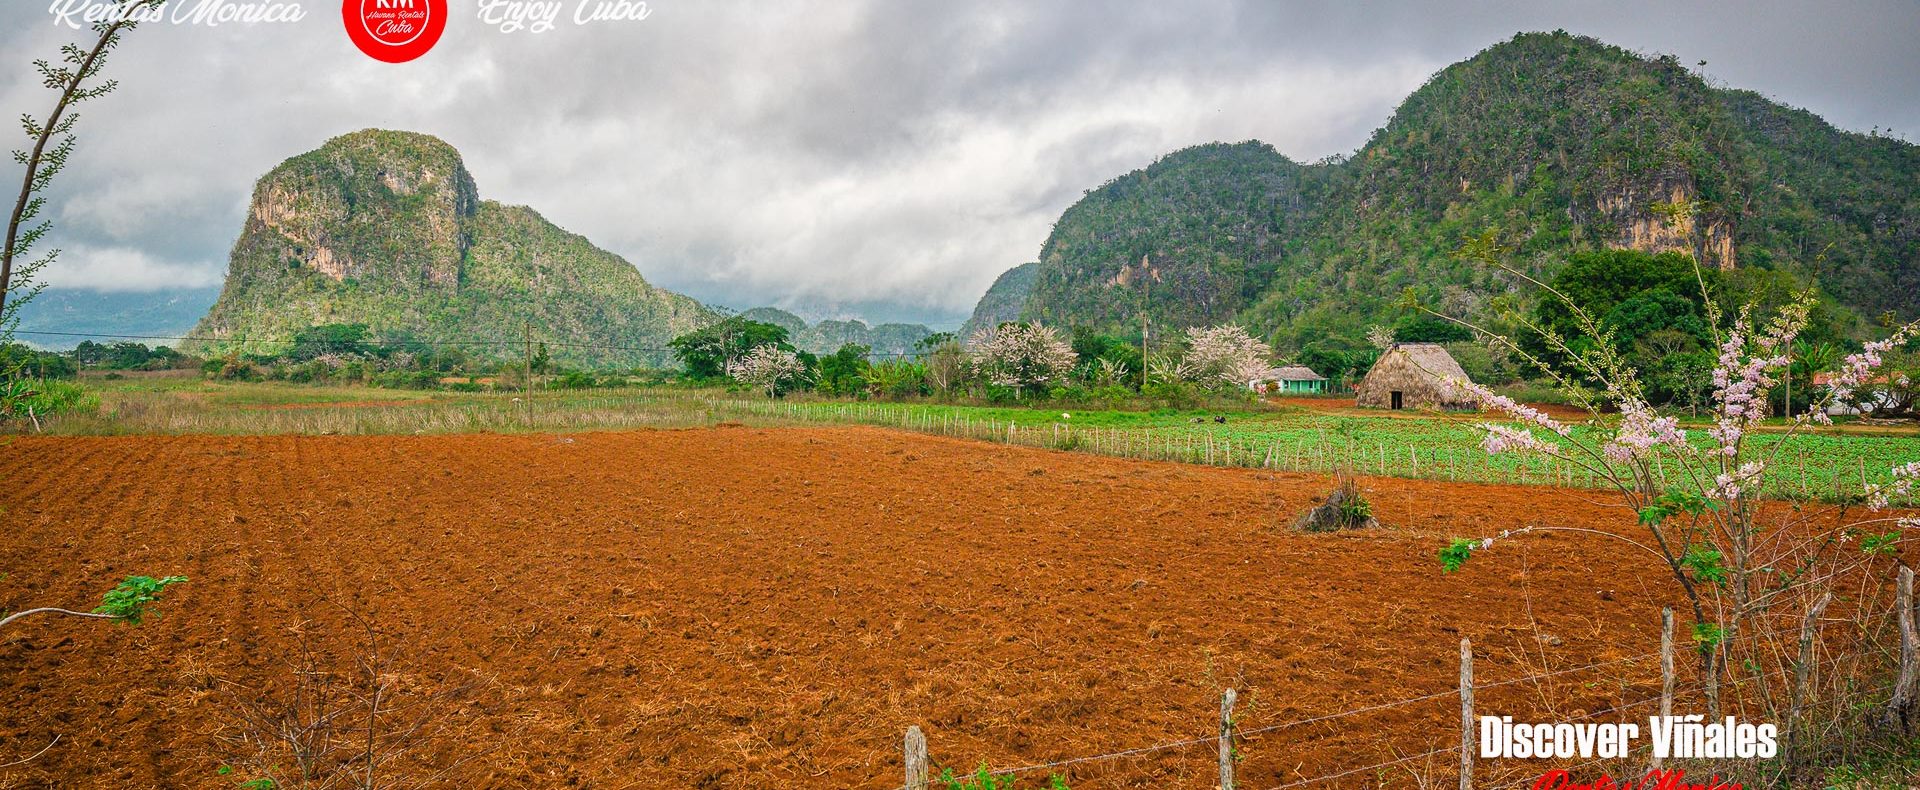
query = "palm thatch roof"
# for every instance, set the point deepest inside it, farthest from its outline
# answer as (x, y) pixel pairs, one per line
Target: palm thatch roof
(1420, 373)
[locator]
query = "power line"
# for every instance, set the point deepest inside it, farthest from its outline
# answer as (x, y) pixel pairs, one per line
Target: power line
(318, 341)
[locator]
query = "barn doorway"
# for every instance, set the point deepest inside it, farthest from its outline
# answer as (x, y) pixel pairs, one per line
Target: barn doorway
(1397, 402)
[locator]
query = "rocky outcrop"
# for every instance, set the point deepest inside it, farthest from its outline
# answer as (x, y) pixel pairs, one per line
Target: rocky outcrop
(388, 229)
(1670, 218)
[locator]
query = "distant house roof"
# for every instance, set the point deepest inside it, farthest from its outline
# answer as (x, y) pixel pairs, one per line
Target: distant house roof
(1823, 379)
(1294, 373)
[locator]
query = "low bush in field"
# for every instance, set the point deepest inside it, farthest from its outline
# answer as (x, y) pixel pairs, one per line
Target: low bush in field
(20, 398)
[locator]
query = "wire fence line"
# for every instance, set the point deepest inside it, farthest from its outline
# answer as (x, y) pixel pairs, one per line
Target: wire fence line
(1208, 445)
(1842, 699)
(1364, 769)
(1234, 732)
(1797, 475)
(1237, 732)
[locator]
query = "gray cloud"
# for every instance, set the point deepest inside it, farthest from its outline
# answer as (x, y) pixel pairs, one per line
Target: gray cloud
(877, 157)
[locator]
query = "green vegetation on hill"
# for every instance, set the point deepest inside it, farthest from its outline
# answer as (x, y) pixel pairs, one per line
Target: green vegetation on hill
(388, 230)
(1558, 144)
(776, 316)
(1200, 233)
(1004, 301)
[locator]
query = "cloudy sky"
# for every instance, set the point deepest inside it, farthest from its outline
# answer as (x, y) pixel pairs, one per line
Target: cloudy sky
(872, 158)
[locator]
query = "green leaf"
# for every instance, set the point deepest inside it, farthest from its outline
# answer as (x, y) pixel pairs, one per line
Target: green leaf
(128, 601)
(1706, 565)
(1456, 554)
(1886, 544)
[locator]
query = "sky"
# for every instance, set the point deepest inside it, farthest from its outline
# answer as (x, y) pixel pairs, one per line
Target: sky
(880, 159)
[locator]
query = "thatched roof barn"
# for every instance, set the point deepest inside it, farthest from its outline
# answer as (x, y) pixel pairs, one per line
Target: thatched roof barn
(1414, 376)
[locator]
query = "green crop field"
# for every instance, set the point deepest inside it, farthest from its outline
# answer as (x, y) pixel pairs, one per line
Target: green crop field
(1294, 437)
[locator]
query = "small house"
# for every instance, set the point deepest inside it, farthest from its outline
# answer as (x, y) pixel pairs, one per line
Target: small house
(1415, 376)
(1289, 380)
(1876, 395)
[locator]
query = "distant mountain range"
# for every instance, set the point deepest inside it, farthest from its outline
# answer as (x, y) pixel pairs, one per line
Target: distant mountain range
(1559, 143)
(826, 337)
(108, 316)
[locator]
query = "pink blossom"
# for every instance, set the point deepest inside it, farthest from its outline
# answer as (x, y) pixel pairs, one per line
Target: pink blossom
(1857, 369)
(1515, 409)
(1022, 355)
(1642, 432)
(1904, 477)
(1506, 438)
(1729, 485)
(1225, 354)
(767, 367)
(1740, 380)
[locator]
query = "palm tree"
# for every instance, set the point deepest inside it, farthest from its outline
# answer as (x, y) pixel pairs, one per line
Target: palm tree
(1808, 358)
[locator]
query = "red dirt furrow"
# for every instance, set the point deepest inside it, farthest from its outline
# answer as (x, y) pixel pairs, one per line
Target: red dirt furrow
(747, 608)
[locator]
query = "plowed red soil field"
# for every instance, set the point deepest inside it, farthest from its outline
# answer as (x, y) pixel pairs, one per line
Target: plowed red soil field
(750, 608)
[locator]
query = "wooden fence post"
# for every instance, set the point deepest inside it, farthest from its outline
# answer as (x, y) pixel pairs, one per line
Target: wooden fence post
(1666, 669)
(1900, 708)
(1466, 714)
(1226, 740)
(1801, 674)
(916, 748)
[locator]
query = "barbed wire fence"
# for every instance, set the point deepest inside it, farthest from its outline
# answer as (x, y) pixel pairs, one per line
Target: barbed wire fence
(1463, 754)
(1797, 475)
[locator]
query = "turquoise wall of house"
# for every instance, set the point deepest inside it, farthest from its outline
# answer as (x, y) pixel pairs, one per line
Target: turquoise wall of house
(1303, 386)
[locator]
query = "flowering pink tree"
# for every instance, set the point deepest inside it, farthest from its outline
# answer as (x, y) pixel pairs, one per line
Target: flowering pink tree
(1754, 570)
(1024, 357)
(1223, 356)
(768, 368)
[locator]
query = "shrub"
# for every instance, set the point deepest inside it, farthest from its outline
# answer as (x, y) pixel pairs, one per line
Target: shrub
(1344, 508)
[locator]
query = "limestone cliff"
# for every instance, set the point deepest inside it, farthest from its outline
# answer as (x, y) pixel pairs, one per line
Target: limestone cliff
(388, 229)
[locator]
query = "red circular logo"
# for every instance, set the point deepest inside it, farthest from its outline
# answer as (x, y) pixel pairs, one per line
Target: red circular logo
(395, 31)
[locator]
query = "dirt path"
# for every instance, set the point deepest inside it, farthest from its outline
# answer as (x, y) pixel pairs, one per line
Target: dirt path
(739, 607)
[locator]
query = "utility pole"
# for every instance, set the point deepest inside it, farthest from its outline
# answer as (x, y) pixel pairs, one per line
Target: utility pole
(1146, 302)
(1789, 377)
(526, 360)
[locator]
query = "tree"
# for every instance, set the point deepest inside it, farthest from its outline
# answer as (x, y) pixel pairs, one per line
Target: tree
(541, 360)
(1105, 359)
(770, 368)
(1630, 294)
(1336, 360)
(844, 372)
(1026, 358)
(930, 343)
(707, 351)
(1426, 329)
(335, 339)
(74, 81)
(1226, 355)
(945, 365)
(1752, 575)
(89, 353)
